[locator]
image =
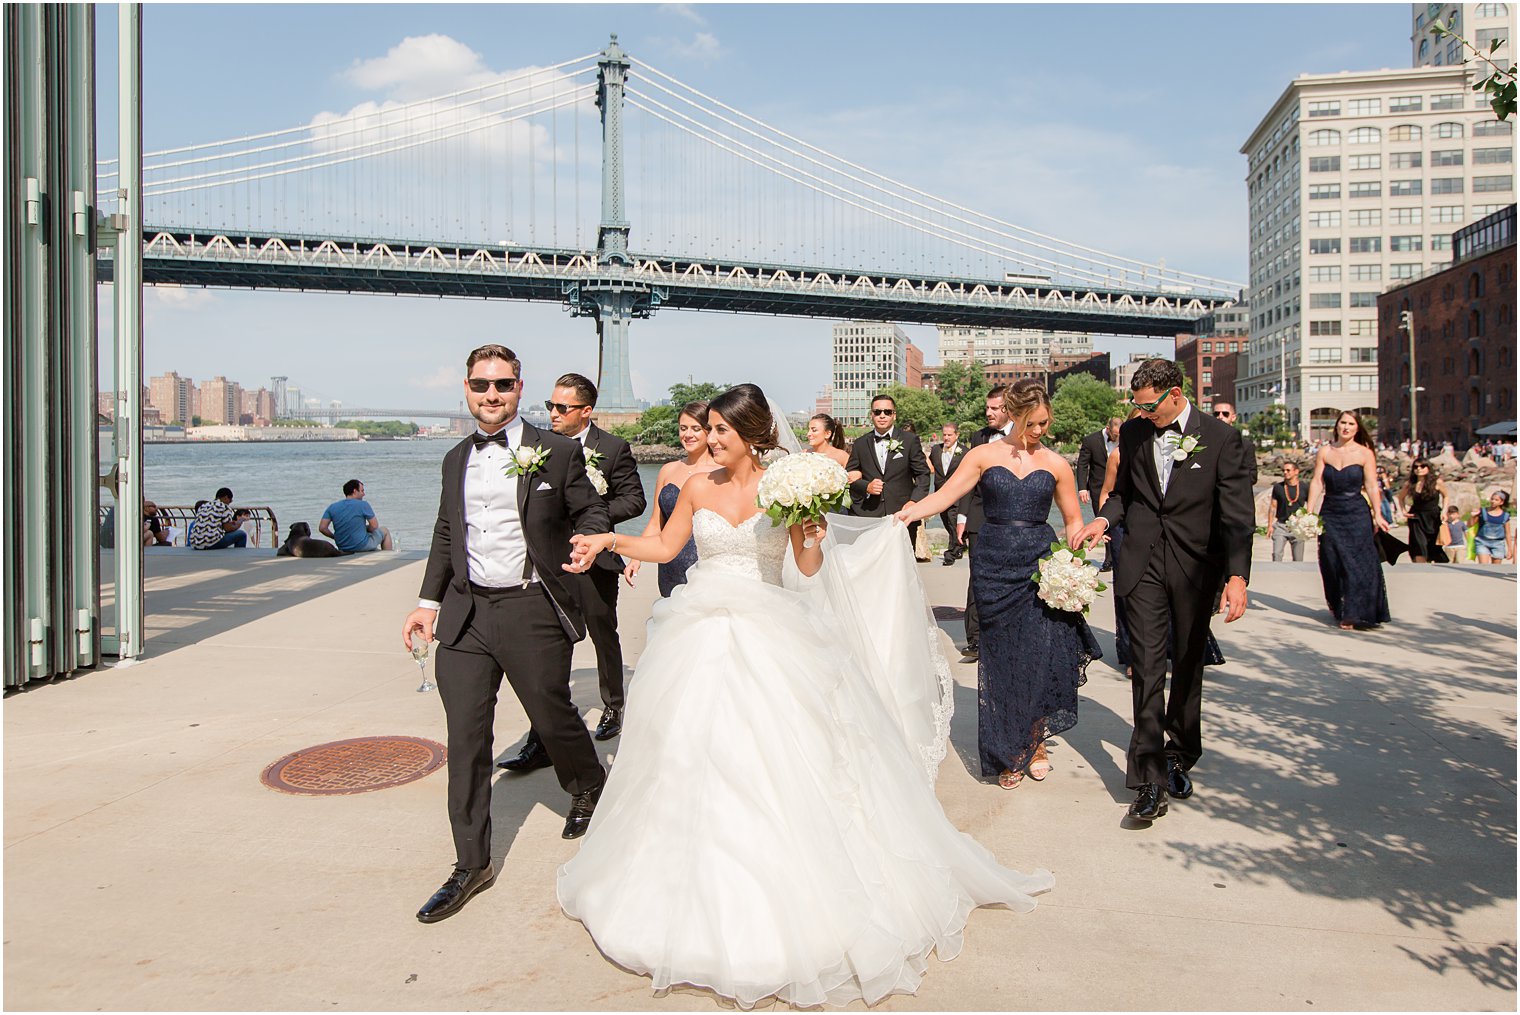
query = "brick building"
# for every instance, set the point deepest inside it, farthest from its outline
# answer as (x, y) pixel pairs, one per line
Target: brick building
(1061, 367)
(1197, 355)
(1464, 340)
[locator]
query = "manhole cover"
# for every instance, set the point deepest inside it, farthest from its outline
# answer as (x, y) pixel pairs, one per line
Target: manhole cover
(355, 766)
(949, 613)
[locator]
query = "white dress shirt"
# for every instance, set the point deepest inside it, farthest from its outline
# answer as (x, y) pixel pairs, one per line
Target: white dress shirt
(946, 455)
(494, 547)
(880, 447)
(1163, 454)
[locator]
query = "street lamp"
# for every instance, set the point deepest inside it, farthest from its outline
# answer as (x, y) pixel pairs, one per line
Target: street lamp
(1406, 321)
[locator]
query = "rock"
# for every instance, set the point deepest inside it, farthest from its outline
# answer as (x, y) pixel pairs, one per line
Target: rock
(656, 454)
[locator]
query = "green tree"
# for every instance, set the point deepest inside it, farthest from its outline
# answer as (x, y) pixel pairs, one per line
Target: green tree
(962, 390)
(1081, 405)
(1500, 84)
(1269, 428)
(918, 407)
(697, 391)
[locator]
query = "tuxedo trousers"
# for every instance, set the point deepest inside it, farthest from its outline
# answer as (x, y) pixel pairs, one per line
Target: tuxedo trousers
(973, 622)
(947, 519)
(596, 589)
(514, 632)
(1165, 601)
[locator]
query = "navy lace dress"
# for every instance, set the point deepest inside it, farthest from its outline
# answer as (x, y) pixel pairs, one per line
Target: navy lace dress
(674, 573)
(1033, 658)
(1348, 558)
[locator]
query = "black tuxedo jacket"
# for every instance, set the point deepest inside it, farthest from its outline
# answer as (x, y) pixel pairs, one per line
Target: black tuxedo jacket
(625, 490)
(971, 504)
(1092, 459)
(941, 474)
(553, 503)
(906, 476)
(1207, 517)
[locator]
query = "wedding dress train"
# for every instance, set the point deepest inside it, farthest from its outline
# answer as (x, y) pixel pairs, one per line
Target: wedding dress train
(765, 829)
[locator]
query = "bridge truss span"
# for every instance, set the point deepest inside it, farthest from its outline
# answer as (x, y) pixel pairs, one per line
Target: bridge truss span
(371, 265)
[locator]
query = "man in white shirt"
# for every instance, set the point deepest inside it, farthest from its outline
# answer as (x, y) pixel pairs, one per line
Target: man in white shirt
(494, 598)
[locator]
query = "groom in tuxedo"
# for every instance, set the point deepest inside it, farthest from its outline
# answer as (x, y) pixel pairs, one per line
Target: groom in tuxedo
(1183, 494)
(892, 466)
(494, 598)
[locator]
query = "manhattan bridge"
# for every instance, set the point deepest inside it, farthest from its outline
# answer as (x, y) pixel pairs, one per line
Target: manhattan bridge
(609, 186)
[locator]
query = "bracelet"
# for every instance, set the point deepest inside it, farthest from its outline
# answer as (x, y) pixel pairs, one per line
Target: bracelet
(613, 547)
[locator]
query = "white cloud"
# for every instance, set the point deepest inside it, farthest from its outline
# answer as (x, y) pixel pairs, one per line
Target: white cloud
(441, 379)
(173, 297)
(686, 11)
(419, 67)
(703, 48)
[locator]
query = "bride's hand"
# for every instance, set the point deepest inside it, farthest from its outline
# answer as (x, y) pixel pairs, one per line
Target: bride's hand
(583, 550)
(814, 530)
(906, 514)
(630, 570)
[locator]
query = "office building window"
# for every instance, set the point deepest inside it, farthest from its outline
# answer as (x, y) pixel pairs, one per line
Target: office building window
(1365, 245)
(1325, 164)
(1404, 216)
(1487, 36)
(1446, 100)
(1406, 160)
(1371, 189)
(1325, 273)
(1365, 135)
(1366, 273)
(1364, 354)
(1446, 129)
(1324, 191)
(1364, 107)
(1404, 244)
(1364, 299)
(1403, 270)
(1324, 355)
(1493, 128)
(1492, 11)
(1324, 109)
(1324, 301)
(1492, 156)
(1446, 157)
(1366, 217)
(1362, 382)
(1324, 384)
(1404, 188)
(1405, 104)
(1404, 132)
(1324, 328)
(1446, 213)
(1324, 219)
(1323, 137)
(1489, 184)
(1364, 162)
(1440, 241)
(1446, 185)
(1325, 246)
(1361, 329)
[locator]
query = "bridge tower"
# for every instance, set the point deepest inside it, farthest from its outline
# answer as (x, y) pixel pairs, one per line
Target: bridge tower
(614, 298)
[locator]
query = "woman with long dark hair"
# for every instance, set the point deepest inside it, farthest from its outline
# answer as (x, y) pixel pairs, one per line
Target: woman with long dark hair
(1424, 501)
(691, 431)
(826, 437)
(1344, 494)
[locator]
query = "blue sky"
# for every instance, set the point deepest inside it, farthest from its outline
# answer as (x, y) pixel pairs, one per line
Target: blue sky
(1117, 127)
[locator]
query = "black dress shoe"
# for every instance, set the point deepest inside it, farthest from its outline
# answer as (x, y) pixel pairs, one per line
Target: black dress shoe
(456, 891)
(1178, 785)
(970, 654)
(530, 757)
(582, 806)
(1150, 803)
(610, 725)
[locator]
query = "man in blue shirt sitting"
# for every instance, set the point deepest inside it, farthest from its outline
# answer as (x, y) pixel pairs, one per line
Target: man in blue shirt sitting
(351, 522)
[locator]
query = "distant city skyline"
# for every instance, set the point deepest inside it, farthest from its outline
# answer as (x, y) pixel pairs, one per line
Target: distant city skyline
(1146, 170)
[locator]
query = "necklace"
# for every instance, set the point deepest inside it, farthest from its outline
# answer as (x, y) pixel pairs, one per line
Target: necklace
(1297, 492)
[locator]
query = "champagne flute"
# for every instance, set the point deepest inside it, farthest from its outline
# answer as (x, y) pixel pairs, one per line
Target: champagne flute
(420, 654)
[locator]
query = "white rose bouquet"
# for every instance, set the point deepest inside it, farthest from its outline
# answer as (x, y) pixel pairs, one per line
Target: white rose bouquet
(801, 488)
(1067, 581)
(1304, 526)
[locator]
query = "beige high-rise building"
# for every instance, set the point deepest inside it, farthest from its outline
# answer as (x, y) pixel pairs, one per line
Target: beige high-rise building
(173, 396)
(1009, 345)
(1356, 181)
(1479, 24)
(868, 356)
(221, 401)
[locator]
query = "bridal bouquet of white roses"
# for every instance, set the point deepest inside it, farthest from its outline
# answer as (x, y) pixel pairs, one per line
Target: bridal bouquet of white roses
(1304, 526)
(803, 487)
(1067, 581)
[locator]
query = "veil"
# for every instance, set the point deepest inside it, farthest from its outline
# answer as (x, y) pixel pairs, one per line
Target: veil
(869, 584)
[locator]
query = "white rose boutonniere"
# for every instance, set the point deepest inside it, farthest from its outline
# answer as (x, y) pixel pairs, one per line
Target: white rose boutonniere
(598, 481)
(1183, 447)
(525, 461)
(593, 459)
(894, 446)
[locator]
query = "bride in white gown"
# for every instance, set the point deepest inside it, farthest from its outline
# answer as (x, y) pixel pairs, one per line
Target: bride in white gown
(766, 829)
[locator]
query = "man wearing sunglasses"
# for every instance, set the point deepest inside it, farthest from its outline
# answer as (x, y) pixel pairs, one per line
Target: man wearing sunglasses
(892, 466)
(570, 407)
(1183, 494)
(1225, 413)
(494, 598)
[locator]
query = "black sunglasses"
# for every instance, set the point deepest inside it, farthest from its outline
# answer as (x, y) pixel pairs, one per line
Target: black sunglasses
(883, 412)
(480, 385)
(561, 407)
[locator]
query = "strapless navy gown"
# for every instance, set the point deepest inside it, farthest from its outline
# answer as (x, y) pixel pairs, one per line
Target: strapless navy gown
(1348, 558)
(1033, 658)
(674, 573)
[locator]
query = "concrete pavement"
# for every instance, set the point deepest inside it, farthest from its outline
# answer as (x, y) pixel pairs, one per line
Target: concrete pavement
(1351, 844)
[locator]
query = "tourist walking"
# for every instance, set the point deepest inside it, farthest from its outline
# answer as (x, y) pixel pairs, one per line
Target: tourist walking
(1388, 502)
(494, 597)
(1289, 495)
(217, 526)
(1342, 493)
(1453, 535)
(691, 431)
(1494, 541)
(351, 522)
(968, 514)
(944, 458)
(1424, 501)
(1183, 492)
(1033, 658)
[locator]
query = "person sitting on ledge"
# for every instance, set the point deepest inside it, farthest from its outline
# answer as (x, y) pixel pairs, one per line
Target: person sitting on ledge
(351, 522)
(217, 526)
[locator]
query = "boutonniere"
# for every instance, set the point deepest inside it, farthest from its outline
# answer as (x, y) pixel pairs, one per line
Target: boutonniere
(1184, 446)
(598, 481)
(593, 459)
(894, 446)
(525, 461)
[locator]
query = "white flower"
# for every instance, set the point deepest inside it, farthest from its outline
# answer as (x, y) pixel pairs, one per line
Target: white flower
(525, 461)
(1064, 556)
(597, 479)
(524, 456)
(1179, 455)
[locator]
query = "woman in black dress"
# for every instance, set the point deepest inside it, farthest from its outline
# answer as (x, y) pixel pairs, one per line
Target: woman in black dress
(1424, 500)
(1344, 494)
(691, 431)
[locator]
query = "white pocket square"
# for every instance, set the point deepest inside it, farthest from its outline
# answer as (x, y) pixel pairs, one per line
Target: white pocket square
(1197, 466)
(897, 454)
(546, 486)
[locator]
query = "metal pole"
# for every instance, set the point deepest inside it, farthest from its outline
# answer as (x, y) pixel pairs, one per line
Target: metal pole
(1407, 319)
(127, 295)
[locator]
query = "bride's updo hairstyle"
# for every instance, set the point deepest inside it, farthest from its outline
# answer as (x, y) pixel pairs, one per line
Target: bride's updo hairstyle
(744, 408)
(1025, 396)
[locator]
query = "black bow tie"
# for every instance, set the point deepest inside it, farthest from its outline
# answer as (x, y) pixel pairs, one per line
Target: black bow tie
(1173, 426)
(481, 439)
(883, 436)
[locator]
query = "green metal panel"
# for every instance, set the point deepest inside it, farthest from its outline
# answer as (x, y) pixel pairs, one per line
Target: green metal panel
(127, 291)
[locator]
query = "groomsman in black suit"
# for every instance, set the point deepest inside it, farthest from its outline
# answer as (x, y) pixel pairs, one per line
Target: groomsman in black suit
(969, 512)
(1092, 459)
(494, 598)
(944, 458)
(570, 407)
(1183, 494)
(891, 464)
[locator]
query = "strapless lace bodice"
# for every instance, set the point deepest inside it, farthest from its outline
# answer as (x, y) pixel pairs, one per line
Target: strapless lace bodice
(752, 549)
